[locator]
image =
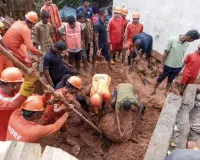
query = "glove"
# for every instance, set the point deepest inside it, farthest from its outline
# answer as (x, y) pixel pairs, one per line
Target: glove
(27, 87)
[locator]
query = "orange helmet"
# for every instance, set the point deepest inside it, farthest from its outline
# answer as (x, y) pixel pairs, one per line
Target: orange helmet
(75, 81)
(117, 9)
(96, 100)
(32, 16)
(136, 15)
(125, 11)
(33, 103)
(11, 74)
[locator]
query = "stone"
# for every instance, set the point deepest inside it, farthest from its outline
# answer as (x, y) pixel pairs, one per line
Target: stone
(108, 126)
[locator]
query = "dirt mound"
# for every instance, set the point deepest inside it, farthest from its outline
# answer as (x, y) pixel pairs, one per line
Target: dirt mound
(109, 126)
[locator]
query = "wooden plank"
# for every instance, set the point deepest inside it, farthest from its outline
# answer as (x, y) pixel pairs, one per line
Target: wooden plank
(51, 153)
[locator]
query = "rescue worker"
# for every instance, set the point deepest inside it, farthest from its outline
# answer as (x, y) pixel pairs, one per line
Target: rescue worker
(191, 70)
(132, 29)
(5, 63)
(13, 94)
(72, 32)
(100, 42)
(55, 19)
(142, 43)
(23, 124)
(99, 92)
(124, 97)
(18, 39)
(85, 8)
(173, 58)
(54, 111)
(54, 67)
(124, 14)
(84, 39)
(44, 36)
(115, 35)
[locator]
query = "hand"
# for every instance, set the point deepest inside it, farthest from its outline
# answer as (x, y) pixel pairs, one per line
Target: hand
(161, 69)
(98, 52)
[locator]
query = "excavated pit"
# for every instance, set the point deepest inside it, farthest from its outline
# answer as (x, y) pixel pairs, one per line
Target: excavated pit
(94, 147)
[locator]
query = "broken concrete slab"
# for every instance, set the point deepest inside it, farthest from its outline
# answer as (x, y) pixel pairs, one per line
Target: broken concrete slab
(160, 140)
(180, 137)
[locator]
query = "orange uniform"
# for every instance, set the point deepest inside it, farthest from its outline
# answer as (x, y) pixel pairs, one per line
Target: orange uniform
(125, 23)
(55, 19)
(18, 40)
(27, 131)
(131, 31)
(7, 106)
(50, 115)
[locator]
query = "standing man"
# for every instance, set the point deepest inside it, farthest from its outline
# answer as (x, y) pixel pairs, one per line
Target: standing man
(191, 70)
(132, 29)
(18, 38)
(44, 35)
(84, 39)
(55, 19)
(85, 8)
(124, 14)
(72, 32)
(100, 38)
(115, 35)
(54, 67)
(13, 92)
(142, 43)
(173, 58)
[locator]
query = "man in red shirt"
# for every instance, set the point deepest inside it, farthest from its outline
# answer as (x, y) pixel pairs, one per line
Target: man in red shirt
(115, 34)
(55, 19)
(123, 15)
(11, 96)
(23, 124)
(191, 70)
(18, 38)
(132, 29)
(54, 111)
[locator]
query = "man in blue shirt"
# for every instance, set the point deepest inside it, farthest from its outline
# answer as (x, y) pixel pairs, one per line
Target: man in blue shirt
(143, 43)
(85, 8)
(100, 45)
(54, 67)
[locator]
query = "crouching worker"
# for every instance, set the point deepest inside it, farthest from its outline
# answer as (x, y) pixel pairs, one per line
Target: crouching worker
(13, 92)
(23, 124)
(99, 92)
(55, 109)
(124, 98)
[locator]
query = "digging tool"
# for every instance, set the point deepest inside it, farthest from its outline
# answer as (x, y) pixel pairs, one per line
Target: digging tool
(21, 66)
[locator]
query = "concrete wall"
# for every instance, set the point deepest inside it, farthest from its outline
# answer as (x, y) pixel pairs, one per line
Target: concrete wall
(165, 18)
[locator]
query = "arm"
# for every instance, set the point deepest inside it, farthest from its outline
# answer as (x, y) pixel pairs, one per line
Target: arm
(43, 131)
(126, 34)
(58, 16)
(51, 33)
(166, 52)
(142, 28)
(47, 76)
(108, 31)
(11, 103)
(28, 42)
(61, 32)
(118, 121)
(37, 34)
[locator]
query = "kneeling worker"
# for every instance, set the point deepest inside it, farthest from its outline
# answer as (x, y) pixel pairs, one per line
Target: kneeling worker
(23, 124)
(99, 92)
(124, 97)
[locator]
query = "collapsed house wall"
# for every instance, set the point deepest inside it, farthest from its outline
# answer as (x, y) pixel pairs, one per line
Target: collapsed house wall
(165, 18)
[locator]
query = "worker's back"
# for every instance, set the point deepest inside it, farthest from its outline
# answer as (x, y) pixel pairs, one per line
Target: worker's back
(14, 37)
